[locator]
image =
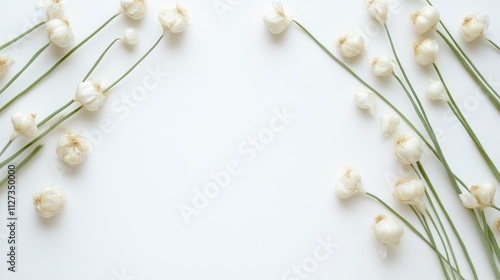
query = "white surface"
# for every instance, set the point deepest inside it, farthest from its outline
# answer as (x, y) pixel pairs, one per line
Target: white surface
(227, 77)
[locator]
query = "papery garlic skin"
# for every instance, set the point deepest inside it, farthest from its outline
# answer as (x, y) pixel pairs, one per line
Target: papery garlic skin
(59, 32)
(425, 51)
(72, 148)
(349, 184)
(24, 125)
(411, 192)
(91, 95)
(54, 9)
(387, 230)
(129, 36)
(49, 202)
(473, 26)
(425, 19)
(174, 20)
(436, 91)
(409, 149)
(382, 66)
(135, 9)
(351, 44)
(5, 61)
(378, 9)
(364, 98)
(276, 20)
(480, 196)
(388, 123)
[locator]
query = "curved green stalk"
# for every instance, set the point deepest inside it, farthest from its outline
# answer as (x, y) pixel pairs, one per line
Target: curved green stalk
(6, 147)
(493, 44)
(49, 117)
(30, 156)
(21, 35)
(445, 272)
(99, 59)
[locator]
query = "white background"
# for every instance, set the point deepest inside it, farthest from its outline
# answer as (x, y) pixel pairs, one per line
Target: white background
(226, 77)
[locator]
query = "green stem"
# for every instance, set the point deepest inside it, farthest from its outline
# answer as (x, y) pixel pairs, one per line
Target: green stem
(21, 35)
(99, 59)
(493, 44)
(488, 239)
(135, 65)
(445, 272)
(49, 117)
(35, 56)
(32, 142)
(493, 241)
(23, 162)
(6, 147)
(56, 64)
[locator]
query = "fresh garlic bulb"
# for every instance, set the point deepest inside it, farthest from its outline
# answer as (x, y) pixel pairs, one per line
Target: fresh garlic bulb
(349, 184)
(276, 20)
(91, 95)
(425, 51)
(49, 202)
(59, 32)
(351, 44)
(174, 20)
(72, 148)
(409, 149)
(24, 125)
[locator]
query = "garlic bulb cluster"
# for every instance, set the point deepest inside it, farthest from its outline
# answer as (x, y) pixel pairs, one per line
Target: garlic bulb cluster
(276, 20)
(480, 196)
(473, 26)
(382, 66)
(49, 202)
(135, 9)
(425, 19)
(411, 192)
(378, 9)
(59, 32)
(351, 44)
(364, 98)
(349, 184)
(425, 51)
(388, 123)
(91, 95)
(24, 125)
(5, 61)
(174, 20)
(436, 91)
(387, 230)
(72, 148)
(129, 36)
(53, 9)
(409, 149)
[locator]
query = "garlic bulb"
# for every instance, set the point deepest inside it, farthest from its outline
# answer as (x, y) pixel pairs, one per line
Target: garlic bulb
(480, 196)
(436, 91)
(135, 9)
(72, 148)
(276, 20)
(174, 20)
(378, 9)
(24, 125)
(410, 191)
(425, 19)
(425, 51)
(53, 9)
(364, 98)
(473, 26)
(49, 202)
(5, 61)
(349, 184)
(129, 36)
(387, 230)
(382, 66)
(388, 123)
(409, 149)
(59, 32)
(90, 94)
(351, 44)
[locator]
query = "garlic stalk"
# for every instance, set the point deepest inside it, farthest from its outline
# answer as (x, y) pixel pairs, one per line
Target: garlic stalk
(20, 36)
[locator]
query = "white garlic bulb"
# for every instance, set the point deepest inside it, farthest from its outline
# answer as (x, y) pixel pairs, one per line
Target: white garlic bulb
(5, 61)
(174, 20)
(436, 91)
(129, 36)
(425, 51)
(72, 148)
(378, 9)
(410, 191)
(53, 9)
(276, 20)
(91, 95)
(480, 196)
(24, 125)
(382, 66)
(351, 44)
(364, 98)
(409, 149)
(388, 123)
(425, 19)
(387, 230)
(49, 202)
(135, 9)
(59, 32)
(349, 184)
(473, 26)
